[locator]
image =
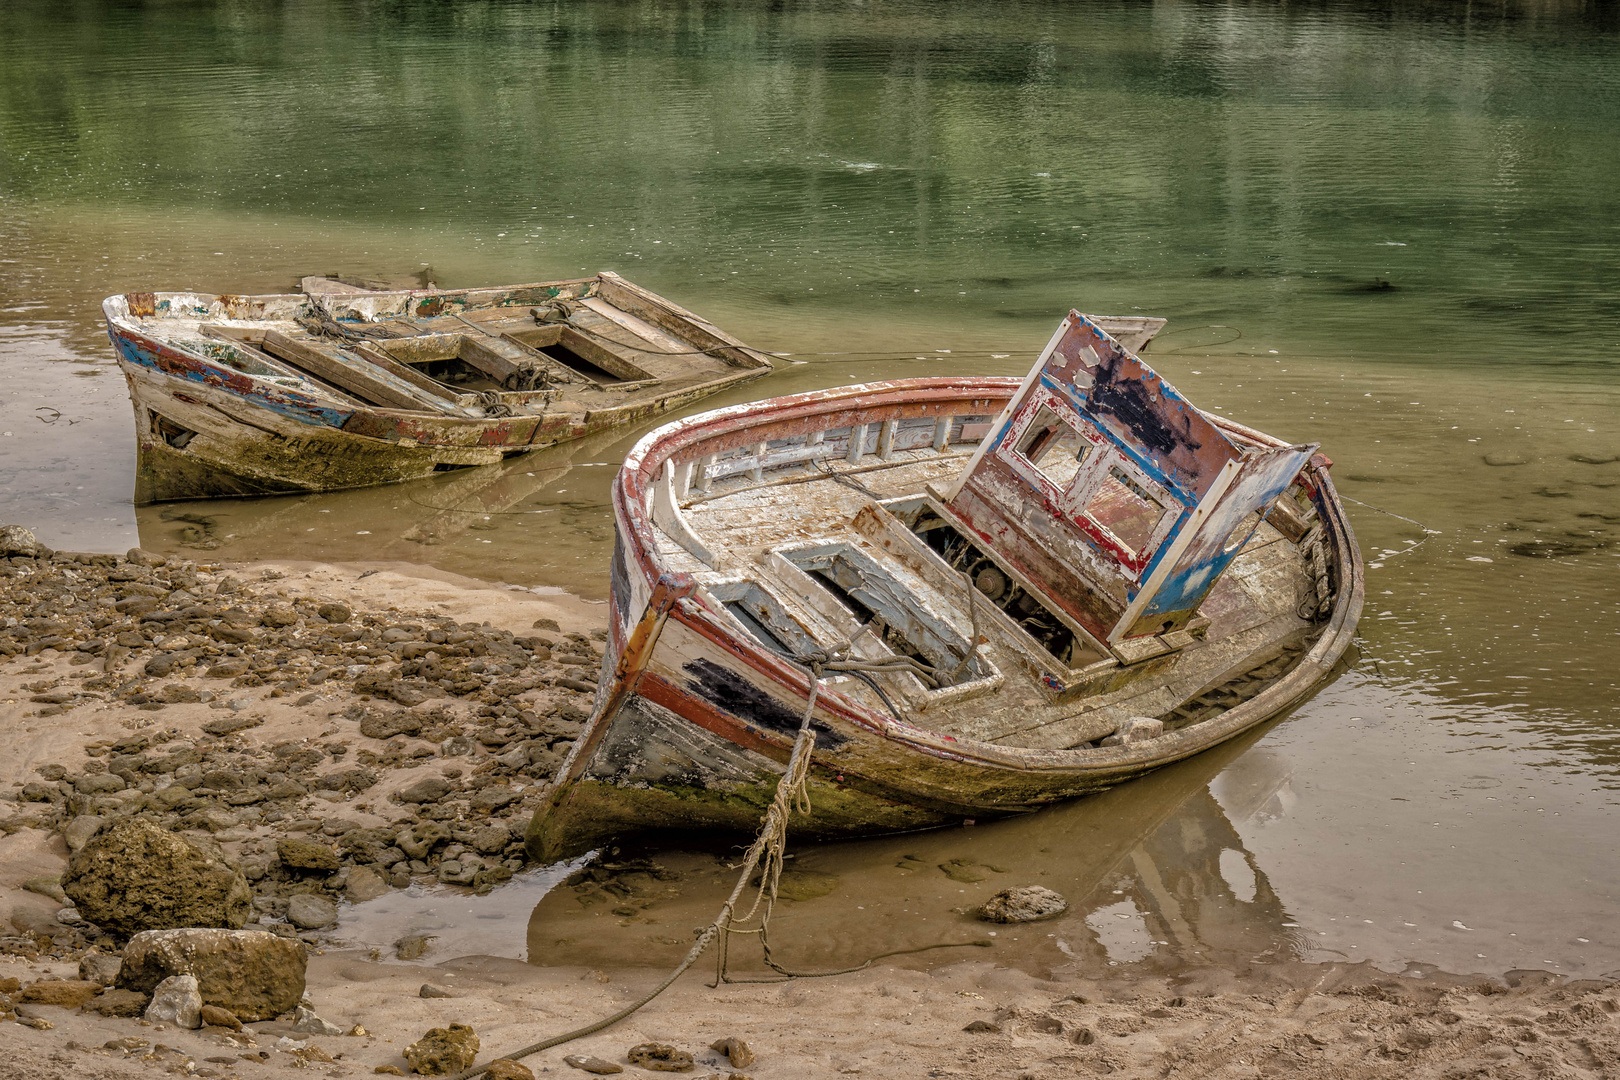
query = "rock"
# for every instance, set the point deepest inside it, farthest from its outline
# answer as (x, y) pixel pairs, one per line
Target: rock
(388, 1070)
(78, 832)
(134, 875)
(592, 1064)
(1506, 458)
(229, 725)
(305, 1022)
(255, 975)
(421, 838)
(443, 1050)
(737, 1052)
(364, 884)
(309, 912)
(983, 1026)
(494, 798)
(660, 1057)
(48, 886)
(307, 855)
(412, 946)
(433, 990)
(118, 1003)
(63, 993)
(426, 790)
(385, 725)
(99, 784)
(280, 615)
(16, 540)
(1026, 903)
(1083, 1037)
(176, 1002)
(35, 923)
(214, 1016)
(335, 613)
(547, 624)
(160, 665)
(142, 557)
(100, 967)
(507, 1069)
(228, 669)
(1137, 729)
(491, 839)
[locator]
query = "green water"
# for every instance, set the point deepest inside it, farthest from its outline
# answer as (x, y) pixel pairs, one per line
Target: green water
(1393, 228)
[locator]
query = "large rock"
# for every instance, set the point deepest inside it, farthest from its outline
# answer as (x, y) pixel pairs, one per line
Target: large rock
(63, 993)
(175, 1001)
(255, 975)
(16, 540)
(134, 876)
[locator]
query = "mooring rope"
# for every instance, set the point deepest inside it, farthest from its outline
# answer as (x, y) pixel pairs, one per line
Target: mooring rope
(769, 846)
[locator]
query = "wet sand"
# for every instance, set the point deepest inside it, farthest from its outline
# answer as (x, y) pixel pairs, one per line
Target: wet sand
(1281, 1020)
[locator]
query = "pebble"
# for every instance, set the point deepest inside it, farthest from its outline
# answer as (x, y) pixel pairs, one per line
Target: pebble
(305, 1022)
(433, 990)
(660, 1057)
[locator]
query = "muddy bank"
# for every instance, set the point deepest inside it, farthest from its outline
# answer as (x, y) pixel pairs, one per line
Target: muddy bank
(313, 722)
(967, 1020)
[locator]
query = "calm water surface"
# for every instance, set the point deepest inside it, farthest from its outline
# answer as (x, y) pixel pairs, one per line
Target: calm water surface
(1392, 228)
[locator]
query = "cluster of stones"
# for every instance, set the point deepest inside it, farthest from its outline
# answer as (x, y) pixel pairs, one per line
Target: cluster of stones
(486, 716)
(149, 618)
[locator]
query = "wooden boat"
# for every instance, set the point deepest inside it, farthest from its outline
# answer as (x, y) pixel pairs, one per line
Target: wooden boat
(1148, 581)
(346, 387)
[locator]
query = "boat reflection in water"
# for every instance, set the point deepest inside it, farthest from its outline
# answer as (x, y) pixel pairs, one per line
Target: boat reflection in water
(1154, 870)
(465, 507)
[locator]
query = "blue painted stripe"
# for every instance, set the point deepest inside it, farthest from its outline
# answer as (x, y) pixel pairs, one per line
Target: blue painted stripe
(283, 401)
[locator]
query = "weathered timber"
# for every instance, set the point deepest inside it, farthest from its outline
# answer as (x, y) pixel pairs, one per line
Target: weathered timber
(234, 395)
(787, 529)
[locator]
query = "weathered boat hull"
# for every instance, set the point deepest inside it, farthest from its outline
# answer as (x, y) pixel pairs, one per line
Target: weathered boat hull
(694, 724)
(264, 443)
(208, 427)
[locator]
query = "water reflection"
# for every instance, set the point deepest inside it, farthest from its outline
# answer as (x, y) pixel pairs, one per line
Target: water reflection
(1147, 868)
(517, 520)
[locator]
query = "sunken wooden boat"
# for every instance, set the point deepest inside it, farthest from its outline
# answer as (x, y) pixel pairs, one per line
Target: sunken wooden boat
(323, 391)
(1147, 581)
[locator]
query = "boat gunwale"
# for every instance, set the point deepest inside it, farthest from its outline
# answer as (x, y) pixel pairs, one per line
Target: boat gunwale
(305, 403)
(632, 508)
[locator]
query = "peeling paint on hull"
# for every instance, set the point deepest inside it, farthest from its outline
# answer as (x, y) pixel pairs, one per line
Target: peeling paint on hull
(218, 417)
(672, 744)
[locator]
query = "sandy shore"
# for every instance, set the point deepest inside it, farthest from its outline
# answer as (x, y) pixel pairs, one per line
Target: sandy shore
(1266, 1020)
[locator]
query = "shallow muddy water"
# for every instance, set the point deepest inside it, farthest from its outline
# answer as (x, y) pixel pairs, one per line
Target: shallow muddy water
(1393, 230)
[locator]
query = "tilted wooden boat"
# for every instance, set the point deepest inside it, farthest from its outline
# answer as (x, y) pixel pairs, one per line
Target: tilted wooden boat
(261, 395)
(1147, 580)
